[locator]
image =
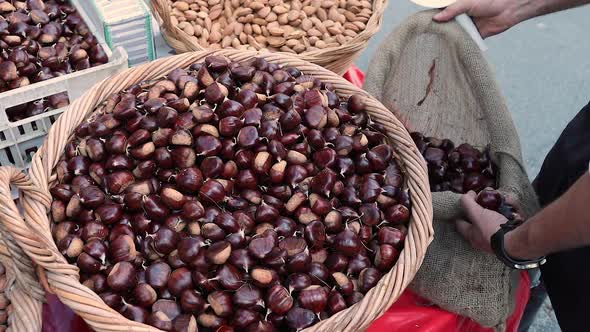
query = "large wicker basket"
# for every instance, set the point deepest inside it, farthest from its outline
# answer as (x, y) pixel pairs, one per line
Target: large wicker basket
(20, 286)
(337, 59)
(33, 231)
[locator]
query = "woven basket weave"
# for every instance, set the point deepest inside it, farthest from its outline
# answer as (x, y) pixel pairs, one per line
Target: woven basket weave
(34, 236)
(337, 59)
(22, 289)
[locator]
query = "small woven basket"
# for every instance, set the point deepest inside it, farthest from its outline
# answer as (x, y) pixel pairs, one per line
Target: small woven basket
(32, 232)
(337, 59)
(21, 294)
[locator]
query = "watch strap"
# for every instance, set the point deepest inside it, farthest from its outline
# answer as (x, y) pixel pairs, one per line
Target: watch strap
(497, 242)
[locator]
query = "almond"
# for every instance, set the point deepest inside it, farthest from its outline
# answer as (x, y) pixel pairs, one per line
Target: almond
(321, 14)
(360, 25)
(252, 41)
(243, 38)
(271, 17)
(238, 28)
(214, 14)
(276, 41)
(226, 41)
(291, 42)
(242, 11)
(280, 10)
(328, 4)
(227, 12)
(248, 29)
(256, 5)
(293, 15)
(309, 10)
(229, 29)
(286, 49)
(190, 15)
(181, 5)
(314, 32)
(263, 12)
(259, 21)
(349, 33)
(296, 34)
(276, 31)
(299, 48)
(349, 16)
(256, 29)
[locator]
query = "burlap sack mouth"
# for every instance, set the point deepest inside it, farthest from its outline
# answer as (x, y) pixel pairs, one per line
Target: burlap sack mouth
(435, 78)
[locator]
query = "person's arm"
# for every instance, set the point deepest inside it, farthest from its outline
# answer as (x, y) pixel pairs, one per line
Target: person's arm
(495, 16)
(562, 225)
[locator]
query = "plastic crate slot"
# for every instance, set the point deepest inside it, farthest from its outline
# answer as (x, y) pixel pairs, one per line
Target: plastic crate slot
(21, 130)
(29, 153)
(34, 125)
(2, 136)
(9, 155)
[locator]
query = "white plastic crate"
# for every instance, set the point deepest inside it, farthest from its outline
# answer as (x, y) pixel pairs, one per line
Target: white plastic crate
(125, 23)
(19, 140)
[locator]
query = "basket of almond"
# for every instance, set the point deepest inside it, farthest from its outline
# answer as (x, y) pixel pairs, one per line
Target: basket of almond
(226, 191)
(329, 33)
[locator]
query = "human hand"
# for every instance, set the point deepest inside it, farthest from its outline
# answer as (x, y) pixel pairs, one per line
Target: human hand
(490, 16)
(484, 223)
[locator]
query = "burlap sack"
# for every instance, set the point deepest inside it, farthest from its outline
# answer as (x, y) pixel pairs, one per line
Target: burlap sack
(435, 77)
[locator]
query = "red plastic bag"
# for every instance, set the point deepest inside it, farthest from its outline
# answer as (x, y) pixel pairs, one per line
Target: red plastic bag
(411, 313)
(355, 76)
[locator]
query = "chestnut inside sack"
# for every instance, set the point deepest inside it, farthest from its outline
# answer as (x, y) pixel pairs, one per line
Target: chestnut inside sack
(226, 196)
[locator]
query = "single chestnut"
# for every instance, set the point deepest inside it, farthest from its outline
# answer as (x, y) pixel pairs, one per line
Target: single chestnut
(279, 299)
(122, 277)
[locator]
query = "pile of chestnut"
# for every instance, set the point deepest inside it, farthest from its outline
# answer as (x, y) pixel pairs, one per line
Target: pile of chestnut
(458, 169)
(230, 196)
(40, 40)
(461, 169)
(38, 106)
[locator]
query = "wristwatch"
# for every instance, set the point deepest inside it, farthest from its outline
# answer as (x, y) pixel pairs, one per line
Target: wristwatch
(497, 242)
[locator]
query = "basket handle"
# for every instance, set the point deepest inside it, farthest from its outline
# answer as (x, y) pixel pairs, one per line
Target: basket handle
(10, 215)
(26, 293)
(27, 310)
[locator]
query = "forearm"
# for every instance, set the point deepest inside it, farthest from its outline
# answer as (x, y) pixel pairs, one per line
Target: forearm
(527, 9)
(562, 225)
